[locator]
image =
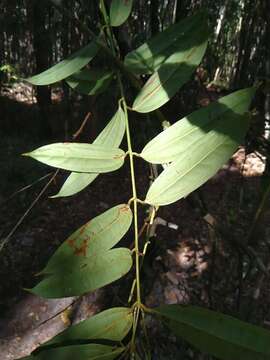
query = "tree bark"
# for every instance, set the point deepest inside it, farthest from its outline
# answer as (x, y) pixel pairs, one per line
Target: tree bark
(38, 12)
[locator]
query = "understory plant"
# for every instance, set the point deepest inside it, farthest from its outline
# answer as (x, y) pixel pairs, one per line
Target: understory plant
(189, 152)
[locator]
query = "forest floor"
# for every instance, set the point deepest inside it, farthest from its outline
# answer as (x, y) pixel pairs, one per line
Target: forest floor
(203, 258)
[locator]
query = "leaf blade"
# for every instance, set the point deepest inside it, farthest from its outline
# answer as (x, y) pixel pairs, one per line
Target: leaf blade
(66, 67)
(79, 157)
(110, 136)
(112, 324)
(220, 335)
(84, 274)
(196, 166)
(96, 236)
(176, 139)
(151, 55)
(90, 82)
(83, 352)
(171, 75)
(120, 11)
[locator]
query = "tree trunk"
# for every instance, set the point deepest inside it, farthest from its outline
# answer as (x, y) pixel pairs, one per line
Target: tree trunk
(38, 12)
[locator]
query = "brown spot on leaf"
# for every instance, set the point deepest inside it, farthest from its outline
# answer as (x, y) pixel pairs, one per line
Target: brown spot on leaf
(79, 250)
(72, 243)
(124, 208)
(82, 249)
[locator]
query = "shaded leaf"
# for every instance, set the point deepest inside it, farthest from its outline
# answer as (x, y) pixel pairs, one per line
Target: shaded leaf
(120, 11)
(79, 157)
(176, 139)
(82, 274)
(110, 136)
(152, 54)
(66, 67)
(172, 74)
(90, 82)
(110, 356)
(94, 237)
(112, 324)
(82, 352)
(220, 335)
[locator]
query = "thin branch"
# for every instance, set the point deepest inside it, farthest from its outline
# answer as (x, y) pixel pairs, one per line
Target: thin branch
(25, 188)
(5, 241)
(78, 132)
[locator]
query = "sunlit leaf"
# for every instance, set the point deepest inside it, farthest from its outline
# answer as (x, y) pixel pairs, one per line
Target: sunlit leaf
(99, 234)
(219, 335)
(195, 166)
(200, 162)
(120, 11)
(176, 139)
(82, 274)
(112, 324)
(173, 73)
(90, 82)
(80, 157)
(152, 54)
(110, 136)
(66, 67)
(81, 352)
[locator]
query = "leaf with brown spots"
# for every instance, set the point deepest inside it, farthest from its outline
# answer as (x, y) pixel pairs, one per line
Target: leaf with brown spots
(97, 235)
(80, 274)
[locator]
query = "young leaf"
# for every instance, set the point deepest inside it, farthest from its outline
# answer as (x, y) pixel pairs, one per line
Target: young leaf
(82, 352)
(173, 73)
(112, 324)
(99, 234)
(200, 162)
(110, 136)
(120, 11)
(176, 139)
(152, 54)
(219, 335)
(80, 157)
(90, 82)
(82, 274)
(66, 67)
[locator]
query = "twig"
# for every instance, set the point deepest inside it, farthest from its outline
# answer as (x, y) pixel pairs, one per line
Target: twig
(25, 188)
(78, 132)
(4, 242)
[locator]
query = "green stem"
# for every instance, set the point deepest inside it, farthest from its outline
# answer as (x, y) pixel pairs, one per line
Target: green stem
(135, 207)
(132, 173)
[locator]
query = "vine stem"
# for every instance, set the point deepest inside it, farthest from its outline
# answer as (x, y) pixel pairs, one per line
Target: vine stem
(135, 205)
(138, 304)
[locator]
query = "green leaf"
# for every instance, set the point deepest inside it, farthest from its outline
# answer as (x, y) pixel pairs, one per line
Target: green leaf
(120, 11)
(99, 234)
(176, 139)
(173, 73)
(211, 147)
(112, 324)
(80, 157)
(90, 82)
(82, 274)
(82, 352)
(109, 356)
(66, 67)
(200, 162)
(152, 54)
(219, 335)
(111, 136)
